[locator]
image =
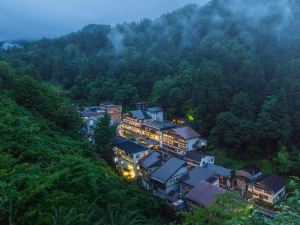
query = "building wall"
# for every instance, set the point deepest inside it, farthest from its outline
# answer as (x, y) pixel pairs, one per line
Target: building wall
(267, 196)
(191, 143)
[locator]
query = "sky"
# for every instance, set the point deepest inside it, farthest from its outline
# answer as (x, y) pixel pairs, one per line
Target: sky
(33, 19)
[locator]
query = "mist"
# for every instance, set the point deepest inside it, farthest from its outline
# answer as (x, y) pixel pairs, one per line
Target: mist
(33, 19)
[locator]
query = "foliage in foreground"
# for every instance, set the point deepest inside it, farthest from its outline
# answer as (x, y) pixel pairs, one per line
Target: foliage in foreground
(47, 176)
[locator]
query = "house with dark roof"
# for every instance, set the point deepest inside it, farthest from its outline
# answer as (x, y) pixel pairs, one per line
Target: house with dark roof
(126, 157)
(166, 178)
(224, 174)
(147, 165)
(204, 194)
(180, 140)
(245, 177)
(194, 176)
(268, 188)
(197, 158)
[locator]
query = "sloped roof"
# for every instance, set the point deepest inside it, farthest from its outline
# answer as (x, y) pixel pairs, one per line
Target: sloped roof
(205, 194)
(186, 132)
(150, 160)
(219, 170)
(158, 125)
(140, 114)
(130, 147)
(195, 155)
(167, 170)
(272, 182)
(196, 175)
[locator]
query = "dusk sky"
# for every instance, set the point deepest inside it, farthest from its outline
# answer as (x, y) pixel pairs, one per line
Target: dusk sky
(32, 19)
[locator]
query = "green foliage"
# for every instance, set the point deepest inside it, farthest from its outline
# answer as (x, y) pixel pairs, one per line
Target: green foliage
(50, 177)
(225, 211)
(104, 136)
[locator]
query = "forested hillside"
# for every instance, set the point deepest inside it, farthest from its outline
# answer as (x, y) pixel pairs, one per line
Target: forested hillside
(231, 66)
(47, 174)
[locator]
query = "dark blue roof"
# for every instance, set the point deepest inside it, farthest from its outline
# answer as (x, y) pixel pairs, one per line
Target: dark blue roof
(131, 147)
(150, 160)
(196, 175)
(219, 170)
(167, 170)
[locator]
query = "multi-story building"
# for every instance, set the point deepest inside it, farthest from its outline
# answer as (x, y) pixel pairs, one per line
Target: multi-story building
(147, 166)
(245, 177)
(146, 125)
(180, 140)
(114, 112)
(165, 179)
(268, 188)
(126, 157)
(224, 174)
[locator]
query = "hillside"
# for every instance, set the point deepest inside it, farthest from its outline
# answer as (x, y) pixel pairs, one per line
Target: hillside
(231, 66)
(47, 174)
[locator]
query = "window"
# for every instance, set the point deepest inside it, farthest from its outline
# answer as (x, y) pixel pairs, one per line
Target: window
(137, 156)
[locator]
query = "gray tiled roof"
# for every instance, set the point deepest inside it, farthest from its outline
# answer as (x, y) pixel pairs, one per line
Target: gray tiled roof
(149, 160)
(167, 170)
(196, 175)
(186, 132)
(219, 170)
(272, 182)
(205, 194)
(140, 114)
(195, 155)
(131, 147)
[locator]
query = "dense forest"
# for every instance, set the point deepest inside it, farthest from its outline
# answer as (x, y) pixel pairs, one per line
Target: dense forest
(50, 176)
(232, 68)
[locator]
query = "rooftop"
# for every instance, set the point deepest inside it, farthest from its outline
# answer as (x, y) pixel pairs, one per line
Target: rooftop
(186, 132)
(196, 175)
(272, 182)
(205, 194)
(158, 125)
(195, 155)
(130, 147)
(150, 160)
(140, 114)
(219, 170)
(167, 170)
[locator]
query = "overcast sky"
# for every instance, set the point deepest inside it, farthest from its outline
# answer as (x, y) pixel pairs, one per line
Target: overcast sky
(32, 19)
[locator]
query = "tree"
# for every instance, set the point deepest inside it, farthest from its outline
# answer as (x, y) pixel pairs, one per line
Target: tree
(104, 135)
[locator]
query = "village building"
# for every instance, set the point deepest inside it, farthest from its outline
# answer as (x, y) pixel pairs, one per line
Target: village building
(145, 125)
(114, 112)
(268, 188)
(224, 174)
(165, 179)
(147, 165)
(194, 176)
(126, 157)
(204, 194)
(90, 116)
(245, 177)
(180, 140)
(197, 158)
